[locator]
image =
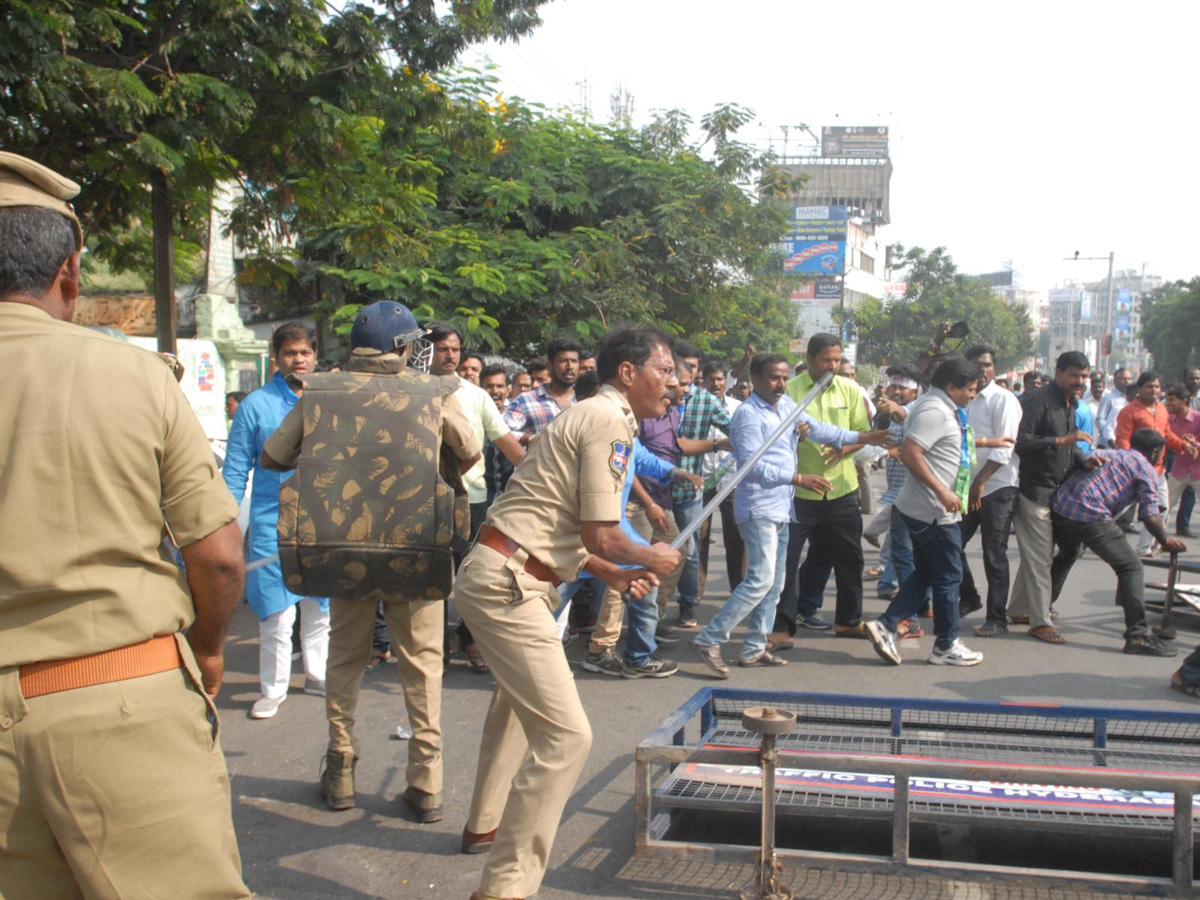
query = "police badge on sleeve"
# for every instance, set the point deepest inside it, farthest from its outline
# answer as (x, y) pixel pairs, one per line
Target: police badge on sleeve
(618, 461)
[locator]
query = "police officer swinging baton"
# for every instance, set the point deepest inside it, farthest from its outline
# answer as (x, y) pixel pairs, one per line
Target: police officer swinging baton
(730, 482)
(727, 485)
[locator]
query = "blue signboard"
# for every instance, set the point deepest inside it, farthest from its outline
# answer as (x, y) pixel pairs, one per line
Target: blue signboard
(815, 257)
(818, 223)
(1122, 326)
(1124, 300)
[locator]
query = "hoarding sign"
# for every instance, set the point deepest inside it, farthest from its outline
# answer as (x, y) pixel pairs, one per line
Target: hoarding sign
(1124, 300)
(816, 257)
(1122, 328)
(827, 289)
(857, 142)
(1085, 307)
(818, 223)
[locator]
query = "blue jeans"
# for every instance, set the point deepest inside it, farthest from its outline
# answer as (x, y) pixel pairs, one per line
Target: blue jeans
(758, 594)
(902, 547)
(937, 558)
(689, 582)
(642, 616)
(1187, 502)
(566, 592)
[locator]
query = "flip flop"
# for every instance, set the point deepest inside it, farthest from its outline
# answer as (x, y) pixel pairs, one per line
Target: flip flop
(782, 645)
(1019, 620)
(906, 632)
(874, 571)
(1047, 634)
(475, 658)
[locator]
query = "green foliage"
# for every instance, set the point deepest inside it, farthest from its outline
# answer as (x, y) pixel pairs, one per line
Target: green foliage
(548, 223)
(938, 292)
(1172, 328)
(262, 92)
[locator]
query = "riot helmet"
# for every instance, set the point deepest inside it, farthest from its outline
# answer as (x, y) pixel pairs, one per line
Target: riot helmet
(390, 327)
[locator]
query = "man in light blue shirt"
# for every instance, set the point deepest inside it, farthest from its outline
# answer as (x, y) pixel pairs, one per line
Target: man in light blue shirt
(762, 508)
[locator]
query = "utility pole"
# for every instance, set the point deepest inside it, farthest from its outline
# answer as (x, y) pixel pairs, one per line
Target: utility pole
(1108, 309)
(166, 314)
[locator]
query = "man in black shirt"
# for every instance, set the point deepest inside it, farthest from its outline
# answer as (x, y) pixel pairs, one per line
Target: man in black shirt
(1046, 445)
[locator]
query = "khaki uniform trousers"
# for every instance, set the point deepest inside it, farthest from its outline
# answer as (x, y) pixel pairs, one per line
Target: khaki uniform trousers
(612, 607)
(536, 736)
(416, 631)
(114, 791)
(1032, 589)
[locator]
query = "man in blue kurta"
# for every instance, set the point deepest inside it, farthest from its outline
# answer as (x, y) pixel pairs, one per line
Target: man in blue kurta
(257, 417)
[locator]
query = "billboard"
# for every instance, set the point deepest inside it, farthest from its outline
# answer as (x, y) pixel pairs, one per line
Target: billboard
(1085, 307)
(822, 288)
(818, 223)
(815, 257)
(1122, 326)
(858, 142)
(1124, 301)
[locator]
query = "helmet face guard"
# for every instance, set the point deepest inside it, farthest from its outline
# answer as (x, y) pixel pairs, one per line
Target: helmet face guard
(420, 353)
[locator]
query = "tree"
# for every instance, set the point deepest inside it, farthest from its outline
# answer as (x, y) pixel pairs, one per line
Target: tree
(526, 224)
(182, 94)
(1170, 331)
(937, 292)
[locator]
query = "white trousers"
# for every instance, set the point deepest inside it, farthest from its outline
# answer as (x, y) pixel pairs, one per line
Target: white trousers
(275, 646)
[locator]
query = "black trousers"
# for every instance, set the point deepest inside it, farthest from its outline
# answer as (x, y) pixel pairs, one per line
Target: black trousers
(735, 549)
(994, 519)
(1107, 541)
(834, 530)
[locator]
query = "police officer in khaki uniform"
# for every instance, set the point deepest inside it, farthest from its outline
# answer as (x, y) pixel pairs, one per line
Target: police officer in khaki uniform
(381, 338)
(112, 782)
(559, 516)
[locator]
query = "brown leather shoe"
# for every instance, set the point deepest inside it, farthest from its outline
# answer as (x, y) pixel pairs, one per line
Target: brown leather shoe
(479, 896)
(477, 843)
(851, 631)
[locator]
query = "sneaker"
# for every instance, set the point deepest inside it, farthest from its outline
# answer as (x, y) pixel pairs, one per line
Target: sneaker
(606, 663)
(337, 779)
(314, 687)
(957, 654)
(265, 707)
(884, 642)
(426, 807)
(654, 667)
(664, 635)
(1149, 645)
(815, 622)
(687, 619)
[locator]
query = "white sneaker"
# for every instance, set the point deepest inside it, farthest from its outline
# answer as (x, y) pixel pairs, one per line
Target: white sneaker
(265, 707)
(314, 687)
(957, 654)
(884, 642)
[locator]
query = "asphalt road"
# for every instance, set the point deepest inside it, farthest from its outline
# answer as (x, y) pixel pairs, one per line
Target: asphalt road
(293, 847)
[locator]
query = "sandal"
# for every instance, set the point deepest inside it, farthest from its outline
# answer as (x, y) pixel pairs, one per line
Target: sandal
(1048, 634)
(1177, 682)
(475, 658)
(991, 629)
(874, 571)
(781, 644)
(910, 630)
(1019, 620)
(379, 658)
(711, 657)
(766, 658)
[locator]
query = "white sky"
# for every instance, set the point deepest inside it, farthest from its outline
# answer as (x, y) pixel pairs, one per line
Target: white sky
(1020, 131)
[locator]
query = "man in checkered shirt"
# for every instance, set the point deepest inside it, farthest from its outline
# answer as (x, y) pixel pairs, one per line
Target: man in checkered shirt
(701, 413)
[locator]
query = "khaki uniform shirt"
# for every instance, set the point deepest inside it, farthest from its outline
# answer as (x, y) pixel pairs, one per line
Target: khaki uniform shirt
(100, 449)
(457, 434)
(572, 474)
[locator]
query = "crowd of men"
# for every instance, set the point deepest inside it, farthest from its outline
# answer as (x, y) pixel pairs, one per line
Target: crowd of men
(538, 501)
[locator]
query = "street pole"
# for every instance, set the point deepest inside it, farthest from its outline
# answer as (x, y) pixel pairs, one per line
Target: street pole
(1109, 318)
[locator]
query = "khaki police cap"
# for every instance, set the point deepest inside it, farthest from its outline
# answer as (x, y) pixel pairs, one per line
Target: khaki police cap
(24, 182)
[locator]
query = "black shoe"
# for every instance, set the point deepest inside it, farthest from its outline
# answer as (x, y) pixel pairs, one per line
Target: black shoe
(426, 807)
(1148, 645)
(664, 635)
(991, 629)
(966, 607)
(654, 667)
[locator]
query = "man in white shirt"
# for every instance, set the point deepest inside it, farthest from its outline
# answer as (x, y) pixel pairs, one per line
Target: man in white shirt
(1093, 398)
(994, 413)
(1110, 405)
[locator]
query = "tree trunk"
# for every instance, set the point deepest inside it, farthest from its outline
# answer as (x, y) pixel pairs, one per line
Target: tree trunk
(166, 313)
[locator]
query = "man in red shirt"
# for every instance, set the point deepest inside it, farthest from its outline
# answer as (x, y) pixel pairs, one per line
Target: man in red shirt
(1145, 411)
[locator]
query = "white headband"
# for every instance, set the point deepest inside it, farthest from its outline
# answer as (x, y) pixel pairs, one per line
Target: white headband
(901, 381)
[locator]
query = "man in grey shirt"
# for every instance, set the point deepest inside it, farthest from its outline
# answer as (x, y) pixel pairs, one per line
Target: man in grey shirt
(937, 451)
